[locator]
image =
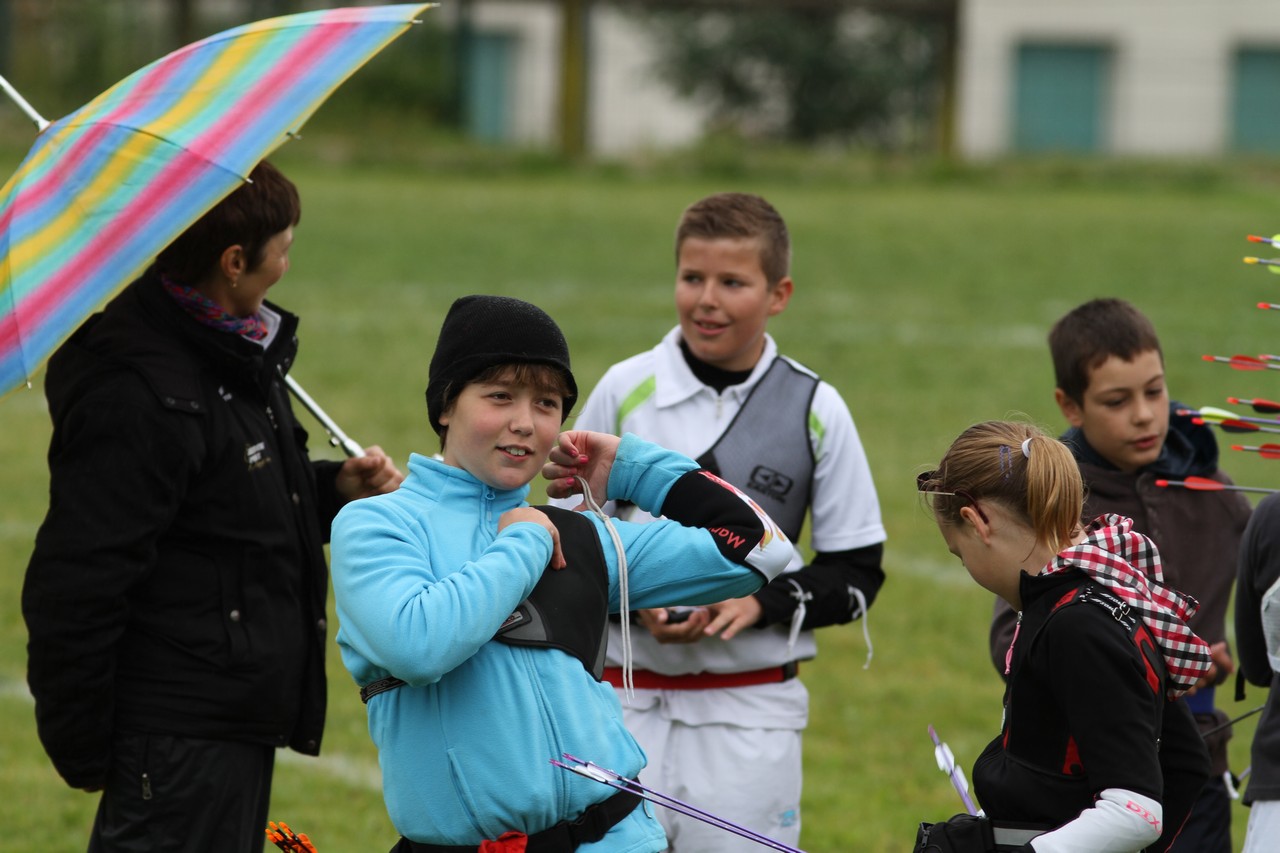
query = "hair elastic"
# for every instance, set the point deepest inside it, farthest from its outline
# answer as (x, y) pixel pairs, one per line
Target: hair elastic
(1026, 446)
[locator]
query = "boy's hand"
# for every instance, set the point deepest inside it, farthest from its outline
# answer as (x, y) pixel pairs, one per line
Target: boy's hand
(731, 616)
(726, 618)
(536, 516)
(1218, 671)
(580, 453)
(689, 630)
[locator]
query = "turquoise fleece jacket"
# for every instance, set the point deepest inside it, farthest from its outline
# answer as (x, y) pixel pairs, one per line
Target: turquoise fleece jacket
(422, 581)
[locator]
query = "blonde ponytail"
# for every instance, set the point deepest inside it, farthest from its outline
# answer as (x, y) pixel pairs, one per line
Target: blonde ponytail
(1017, 465)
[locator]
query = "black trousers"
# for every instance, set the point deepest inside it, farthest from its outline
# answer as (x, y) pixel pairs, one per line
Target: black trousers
(182, 795)
(1208, 827)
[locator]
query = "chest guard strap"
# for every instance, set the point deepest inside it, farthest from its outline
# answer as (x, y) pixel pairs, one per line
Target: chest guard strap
(569, 607)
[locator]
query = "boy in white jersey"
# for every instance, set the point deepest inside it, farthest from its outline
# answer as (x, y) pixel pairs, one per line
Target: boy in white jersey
(718, 708)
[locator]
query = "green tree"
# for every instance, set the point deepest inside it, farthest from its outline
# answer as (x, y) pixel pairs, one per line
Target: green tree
(809, 73)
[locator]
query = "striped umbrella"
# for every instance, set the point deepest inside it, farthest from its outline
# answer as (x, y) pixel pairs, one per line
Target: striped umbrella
(104, 189)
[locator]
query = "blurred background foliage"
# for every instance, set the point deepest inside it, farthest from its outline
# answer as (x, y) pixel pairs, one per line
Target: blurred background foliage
(61, 53)
(808, 74)
(804, 72)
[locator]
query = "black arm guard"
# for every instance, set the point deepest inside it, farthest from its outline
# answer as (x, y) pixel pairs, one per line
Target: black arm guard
(701, 499)
(827, 581)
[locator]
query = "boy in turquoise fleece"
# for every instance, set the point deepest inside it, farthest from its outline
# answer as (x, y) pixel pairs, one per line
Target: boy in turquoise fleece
(429, 580)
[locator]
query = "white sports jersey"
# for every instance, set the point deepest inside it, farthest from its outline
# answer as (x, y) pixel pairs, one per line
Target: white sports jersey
(656, 396)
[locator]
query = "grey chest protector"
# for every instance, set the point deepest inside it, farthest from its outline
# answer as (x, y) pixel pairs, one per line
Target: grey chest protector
(765, 451)
(568, 608)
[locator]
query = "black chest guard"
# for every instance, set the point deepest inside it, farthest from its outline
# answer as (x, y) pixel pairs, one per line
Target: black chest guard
(568, 608)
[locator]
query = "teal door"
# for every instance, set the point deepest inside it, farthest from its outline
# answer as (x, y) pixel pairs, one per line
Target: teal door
(1255, 101)
(1061, 97)
(487, 99)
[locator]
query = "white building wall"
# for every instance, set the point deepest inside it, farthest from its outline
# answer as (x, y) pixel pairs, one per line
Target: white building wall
(535, 99)
(629, 108)
(1171, 86)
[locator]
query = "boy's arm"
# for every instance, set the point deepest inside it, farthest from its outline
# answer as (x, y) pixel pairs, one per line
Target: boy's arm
(663, 482)
(826, 587)
(847, 533)
(403, 615)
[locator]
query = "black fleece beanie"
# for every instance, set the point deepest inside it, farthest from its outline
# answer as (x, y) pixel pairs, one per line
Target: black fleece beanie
(480, 332)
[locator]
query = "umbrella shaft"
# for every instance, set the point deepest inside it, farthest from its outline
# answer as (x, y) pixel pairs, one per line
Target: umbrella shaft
(339, 437)
(41, 121)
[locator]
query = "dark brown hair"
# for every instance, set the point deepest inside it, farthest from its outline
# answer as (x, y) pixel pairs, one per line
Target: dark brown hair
(254, 213)
(1088, 335)
(740, 216)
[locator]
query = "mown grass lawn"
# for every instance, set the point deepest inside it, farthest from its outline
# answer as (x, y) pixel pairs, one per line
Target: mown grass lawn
(923, 295)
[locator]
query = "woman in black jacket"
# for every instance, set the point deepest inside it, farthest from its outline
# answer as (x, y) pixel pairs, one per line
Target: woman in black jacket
(175, 600)
(1092, 748)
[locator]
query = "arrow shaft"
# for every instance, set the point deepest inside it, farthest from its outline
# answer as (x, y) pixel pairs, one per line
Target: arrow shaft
(614, 780)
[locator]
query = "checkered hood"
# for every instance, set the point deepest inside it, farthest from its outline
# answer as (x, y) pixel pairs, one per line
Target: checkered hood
(1128, 564)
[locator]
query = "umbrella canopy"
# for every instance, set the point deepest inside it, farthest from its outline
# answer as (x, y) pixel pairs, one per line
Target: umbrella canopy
(104, 189)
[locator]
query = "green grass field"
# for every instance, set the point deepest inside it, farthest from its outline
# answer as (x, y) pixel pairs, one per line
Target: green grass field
(922, 293)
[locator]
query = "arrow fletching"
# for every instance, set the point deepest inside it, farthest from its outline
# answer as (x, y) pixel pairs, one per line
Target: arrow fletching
(286, 839)
(1234, 422)
(1242, 362)
(1271, 264)
(1204, 484)
(947, 764)
(1259, 405)
(1230, 425)
(1266, 451)
(1210, 413)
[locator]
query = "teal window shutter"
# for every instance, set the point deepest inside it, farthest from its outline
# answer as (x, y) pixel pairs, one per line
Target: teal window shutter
(1061, 97)
(1255, 100)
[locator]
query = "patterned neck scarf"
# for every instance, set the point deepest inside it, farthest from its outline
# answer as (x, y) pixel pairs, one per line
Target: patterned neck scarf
(1128, 564)
(209, 313)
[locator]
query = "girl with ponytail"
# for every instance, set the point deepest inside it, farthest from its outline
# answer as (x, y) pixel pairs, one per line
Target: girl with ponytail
(1092, 749)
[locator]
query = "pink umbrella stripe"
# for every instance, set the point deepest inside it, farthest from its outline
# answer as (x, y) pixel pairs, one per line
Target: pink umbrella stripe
(288, 76)
(110, 245)
(90, 271)
(105, 249)
(106, 188)
(50, 178)
(273, 89)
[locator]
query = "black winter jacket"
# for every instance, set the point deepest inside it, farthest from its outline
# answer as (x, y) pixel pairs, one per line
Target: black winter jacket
(1085, 710)
(1197, 533)
(178, 581)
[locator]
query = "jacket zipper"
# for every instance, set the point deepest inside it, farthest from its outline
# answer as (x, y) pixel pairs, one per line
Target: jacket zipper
(146, 776)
